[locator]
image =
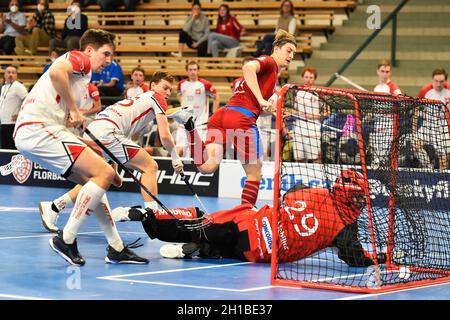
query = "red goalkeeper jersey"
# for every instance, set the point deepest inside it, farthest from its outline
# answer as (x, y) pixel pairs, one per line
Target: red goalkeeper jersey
(306, 226)
(310, 220)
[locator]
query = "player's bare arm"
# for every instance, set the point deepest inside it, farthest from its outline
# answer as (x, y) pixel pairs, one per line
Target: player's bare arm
(59, 75)
(167, 141)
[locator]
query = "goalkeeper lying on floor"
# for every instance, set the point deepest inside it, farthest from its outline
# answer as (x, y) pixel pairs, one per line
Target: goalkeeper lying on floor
(311, 219)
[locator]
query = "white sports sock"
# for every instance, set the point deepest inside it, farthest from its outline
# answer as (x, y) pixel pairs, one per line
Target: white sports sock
(151, 205)
(87, 201)
(103, 214)
(62, 202)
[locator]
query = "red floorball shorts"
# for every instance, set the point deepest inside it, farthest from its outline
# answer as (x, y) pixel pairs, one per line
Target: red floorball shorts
(236, 125)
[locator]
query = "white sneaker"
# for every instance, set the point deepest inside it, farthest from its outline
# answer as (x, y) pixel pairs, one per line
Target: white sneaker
(120, 214)
(181, 114)
(176, 54)
(48, 216)
(174, 251)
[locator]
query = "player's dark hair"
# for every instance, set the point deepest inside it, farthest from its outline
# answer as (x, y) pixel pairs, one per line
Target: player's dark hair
(138, 69)
(158, 76)
(282, 37)
(192, 63)
(439, 72)
(96, 38)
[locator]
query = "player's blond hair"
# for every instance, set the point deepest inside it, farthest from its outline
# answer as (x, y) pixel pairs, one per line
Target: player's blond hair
(282, 37)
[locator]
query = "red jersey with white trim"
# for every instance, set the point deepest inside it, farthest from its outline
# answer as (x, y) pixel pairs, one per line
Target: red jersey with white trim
(428, 87)
(92, 94)
(135, 91)
(196, 94)
(43, 104)
(267, 79)
(389, 87)
(133, 115)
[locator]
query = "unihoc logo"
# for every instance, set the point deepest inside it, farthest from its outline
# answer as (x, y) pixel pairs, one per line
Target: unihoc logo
(194, 178)
(267, 234)
(23, 171)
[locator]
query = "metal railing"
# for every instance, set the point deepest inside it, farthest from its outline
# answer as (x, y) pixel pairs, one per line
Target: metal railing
(391, 17)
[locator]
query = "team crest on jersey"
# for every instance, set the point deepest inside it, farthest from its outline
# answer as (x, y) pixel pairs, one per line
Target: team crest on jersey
(23, 171)
(130, 151)
(73, 150)
(198, 91)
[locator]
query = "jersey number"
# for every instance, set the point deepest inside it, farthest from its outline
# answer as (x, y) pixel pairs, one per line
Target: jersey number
(127, 102)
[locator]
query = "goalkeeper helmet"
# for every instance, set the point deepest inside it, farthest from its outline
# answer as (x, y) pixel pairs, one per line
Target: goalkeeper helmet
(349, 188)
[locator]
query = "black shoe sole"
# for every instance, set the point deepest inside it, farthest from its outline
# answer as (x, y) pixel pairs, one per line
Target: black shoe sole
(52, 245)
(107, 260)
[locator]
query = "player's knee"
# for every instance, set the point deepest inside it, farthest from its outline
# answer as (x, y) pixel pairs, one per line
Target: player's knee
(107, 172)
(151, 166)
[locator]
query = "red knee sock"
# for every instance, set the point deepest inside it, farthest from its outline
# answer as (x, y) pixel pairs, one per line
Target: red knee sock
(250, 192)
(197, 147)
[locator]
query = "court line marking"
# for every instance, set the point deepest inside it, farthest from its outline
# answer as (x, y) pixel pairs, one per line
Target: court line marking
(125, 278)
(172, 270)
(26, 209)
(391, 292)
(53, 234)
(13, 296)
(169, 284)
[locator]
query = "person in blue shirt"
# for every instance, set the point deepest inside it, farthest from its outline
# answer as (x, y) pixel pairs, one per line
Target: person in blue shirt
(110, 82)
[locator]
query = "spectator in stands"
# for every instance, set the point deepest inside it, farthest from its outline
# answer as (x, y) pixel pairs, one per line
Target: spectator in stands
(110, 81)
(286, 21)
(380, 138)
(195, 91)
(114, 5)
(429, 86)
(74, 27)
(194, 33)
(305, 131)
(229, 32)
(12, 24)
(137, 84)
(40, 29)
(53, 56)
(11, 96)
(435, 127)
(385, 84)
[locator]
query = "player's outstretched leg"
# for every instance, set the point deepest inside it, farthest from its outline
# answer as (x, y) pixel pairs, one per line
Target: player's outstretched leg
(116, 251)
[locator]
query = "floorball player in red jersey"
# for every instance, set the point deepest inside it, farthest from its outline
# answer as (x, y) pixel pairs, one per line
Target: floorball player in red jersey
(236, 121)
(311, 220)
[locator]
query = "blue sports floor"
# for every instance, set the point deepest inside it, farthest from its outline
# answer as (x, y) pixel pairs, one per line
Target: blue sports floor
(29, 269)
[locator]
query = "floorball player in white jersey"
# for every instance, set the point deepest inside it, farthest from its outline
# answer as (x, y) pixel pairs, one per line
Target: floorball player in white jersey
(115, 126)
(42, 135)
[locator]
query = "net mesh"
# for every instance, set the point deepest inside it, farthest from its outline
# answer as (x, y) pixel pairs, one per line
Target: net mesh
(397, 230)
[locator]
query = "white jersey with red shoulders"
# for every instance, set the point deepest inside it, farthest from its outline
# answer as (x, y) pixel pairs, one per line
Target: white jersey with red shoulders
(388, 87)
(44, 105)
(197, 94)
(90, 95)
(133, 115)
(134, 91)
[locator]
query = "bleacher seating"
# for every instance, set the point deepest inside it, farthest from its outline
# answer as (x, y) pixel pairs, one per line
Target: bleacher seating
(146, 36)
